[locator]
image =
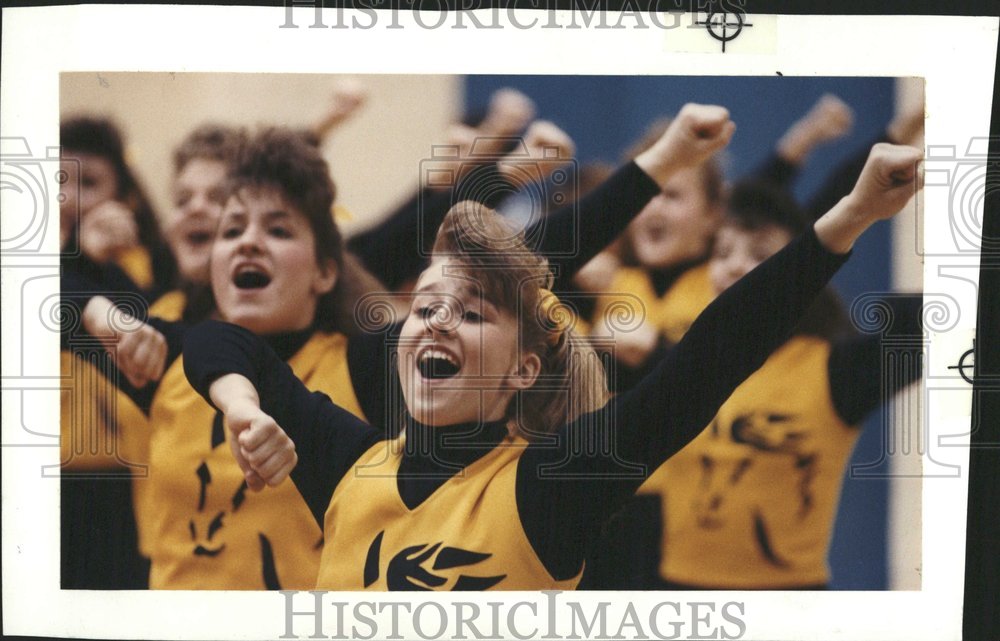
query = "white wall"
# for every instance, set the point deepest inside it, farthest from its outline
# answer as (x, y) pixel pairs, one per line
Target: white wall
(374, 157)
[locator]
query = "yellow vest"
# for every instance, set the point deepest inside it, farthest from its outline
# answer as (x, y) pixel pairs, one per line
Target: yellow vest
(204, 530)
(671, 313)
(100, 427)
(138, 265)
(170, 306)
(750, 503)
(465, 536)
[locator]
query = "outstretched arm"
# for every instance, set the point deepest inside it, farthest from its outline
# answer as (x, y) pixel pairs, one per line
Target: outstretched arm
(596, 220)
(481, 175)
(277, 426)
(726, 344)
(140, 350)
(830, 118)
(724, 352)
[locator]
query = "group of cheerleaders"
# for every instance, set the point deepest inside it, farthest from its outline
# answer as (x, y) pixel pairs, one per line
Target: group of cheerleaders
(301, 429)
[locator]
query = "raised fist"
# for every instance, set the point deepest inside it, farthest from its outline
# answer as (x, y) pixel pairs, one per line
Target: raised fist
(695, 134)
(889, 179)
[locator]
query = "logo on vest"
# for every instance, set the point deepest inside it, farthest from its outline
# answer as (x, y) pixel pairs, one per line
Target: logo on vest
(758, 434)
(210, 540)
(406, 570)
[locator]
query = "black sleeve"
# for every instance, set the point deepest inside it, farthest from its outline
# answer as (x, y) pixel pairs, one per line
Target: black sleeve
(108, 279)
(396, 249)
(396, 236)
(570, 236)
(776, 171)
(372, 366)
(328, 439)
(841, 180)
(863, 368)
(569, 485)
(77, 290)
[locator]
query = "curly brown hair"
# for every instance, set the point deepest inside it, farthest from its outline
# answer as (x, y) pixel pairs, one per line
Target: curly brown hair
(280, 159)
(210, 141)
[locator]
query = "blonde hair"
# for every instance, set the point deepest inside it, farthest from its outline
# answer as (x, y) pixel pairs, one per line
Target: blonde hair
(571, 381)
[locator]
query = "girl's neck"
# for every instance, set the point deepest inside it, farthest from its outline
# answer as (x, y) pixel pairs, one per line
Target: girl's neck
(451, 445)
(286, 344)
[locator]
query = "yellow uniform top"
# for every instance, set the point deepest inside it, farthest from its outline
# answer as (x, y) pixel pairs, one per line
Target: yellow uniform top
(138, 265)
(750, 503)
(170, 306)
(671, 313)
(204, 529)
(465, 536)
(100, 427)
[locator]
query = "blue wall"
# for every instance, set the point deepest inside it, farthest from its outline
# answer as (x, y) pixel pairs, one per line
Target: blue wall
(605, 114)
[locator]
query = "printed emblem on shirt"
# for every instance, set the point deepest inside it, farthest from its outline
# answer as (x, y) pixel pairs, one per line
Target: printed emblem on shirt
(425, 567)
(208, 531)
(758, 434)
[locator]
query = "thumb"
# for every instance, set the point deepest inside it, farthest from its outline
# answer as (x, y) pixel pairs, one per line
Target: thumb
(254, 482)
(902, 165)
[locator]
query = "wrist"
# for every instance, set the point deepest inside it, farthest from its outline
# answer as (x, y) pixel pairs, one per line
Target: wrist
(794, 146)
(839, 228)
(656, 166)
(232, 393)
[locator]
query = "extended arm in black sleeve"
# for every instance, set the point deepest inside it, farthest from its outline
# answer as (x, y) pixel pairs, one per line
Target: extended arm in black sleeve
(328, 439)
(396, 249)
(570, 236)
(864, 369)
(776, 171)
(370, 361)
(643, 427)
(77, 291)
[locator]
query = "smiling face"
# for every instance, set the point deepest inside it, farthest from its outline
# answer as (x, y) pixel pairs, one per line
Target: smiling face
(264, 270)
(459, 356)
(198, 203)
(677, 224)
(738, 250)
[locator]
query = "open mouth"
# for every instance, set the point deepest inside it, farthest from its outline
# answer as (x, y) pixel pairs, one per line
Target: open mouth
(199, 238)
(251, 278)
(655, 234)
(435, 364)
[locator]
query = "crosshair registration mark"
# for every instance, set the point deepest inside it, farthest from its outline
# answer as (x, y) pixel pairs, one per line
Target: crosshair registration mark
(962, 364)
(724, 26)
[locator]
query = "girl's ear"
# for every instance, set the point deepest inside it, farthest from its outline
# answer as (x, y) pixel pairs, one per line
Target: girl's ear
(326, 278)
(528, 371)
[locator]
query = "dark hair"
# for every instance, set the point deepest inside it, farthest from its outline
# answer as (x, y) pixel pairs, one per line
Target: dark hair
(280, 159)
(755, 204)
(101, 137)
(210, 141)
